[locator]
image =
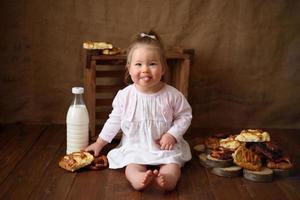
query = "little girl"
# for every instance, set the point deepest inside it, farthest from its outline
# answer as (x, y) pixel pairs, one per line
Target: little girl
(153, 117)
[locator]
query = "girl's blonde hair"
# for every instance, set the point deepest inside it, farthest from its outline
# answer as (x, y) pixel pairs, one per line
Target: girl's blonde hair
(151, 38)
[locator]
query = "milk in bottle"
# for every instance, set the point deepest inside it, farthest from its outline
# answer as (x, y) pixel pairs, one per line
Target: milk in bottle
(77, 123)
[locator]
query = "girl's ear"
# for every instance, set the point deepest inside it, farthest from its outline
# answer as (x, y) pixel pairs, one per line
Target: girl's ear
(127, 68)
(163, 70)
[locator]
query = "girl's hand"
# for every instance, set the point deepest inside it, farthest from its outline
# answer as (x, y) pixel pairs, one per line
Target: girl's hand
(167, 141)
(96, 147)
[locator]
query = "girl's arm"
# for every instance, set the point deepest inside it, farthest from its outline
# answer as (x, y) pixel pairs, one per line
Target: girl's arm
(110, 128)
(97, 146)
(182, 117)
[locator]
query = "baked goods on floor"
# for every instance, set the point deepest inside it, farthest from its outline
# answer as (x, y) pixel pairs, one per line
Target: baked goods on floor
(77, 160)
(250, 150)
(253, 135)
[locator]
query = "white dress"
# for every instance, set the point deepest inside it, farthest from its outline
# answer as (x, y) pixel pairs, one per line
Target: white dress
(143, 119)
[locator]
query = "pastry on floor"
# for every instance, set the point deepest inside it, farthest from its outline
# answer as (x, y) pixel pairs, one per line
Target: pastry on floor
(76, 160)
(99, 163)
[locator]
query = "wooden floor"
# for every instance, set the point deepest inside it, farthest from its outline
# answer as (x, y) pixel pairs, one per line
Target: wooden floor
(29, 170)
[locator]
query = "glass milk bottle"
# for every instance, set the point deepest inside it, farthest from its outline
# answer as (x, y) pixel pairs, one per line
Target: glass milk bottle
(77, 123)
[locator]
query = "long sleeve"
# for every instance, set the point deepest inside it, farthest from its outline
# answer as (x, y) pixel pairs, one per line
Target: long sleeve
(182, 117)
(113, 123)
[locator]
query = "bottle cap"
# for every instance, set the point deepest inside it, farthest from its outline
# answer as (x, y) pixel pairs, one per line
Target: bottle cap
(77, 90)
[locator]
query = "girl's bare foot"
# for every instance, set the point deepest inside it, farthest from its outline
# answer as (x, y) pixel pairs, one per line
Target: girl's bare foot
(161, 180)
(155, 172)
(142, 180)
(148, 177)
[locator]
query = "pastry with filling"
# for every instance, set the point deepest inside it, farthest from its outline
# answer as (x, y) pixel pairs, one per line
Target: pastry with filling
(280, 163)
(266, 149)
(247, 159)
(212, 143)
(221, 154)
(253, 135)
(230, 143)
(97, 45)
(113, 51)
(76, 160)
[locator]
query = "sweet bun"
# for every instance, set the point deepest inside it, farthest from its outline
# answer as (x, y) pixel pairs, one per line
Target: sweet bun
(230, 143)
(97, 45)
(76, 160)
(253, 135)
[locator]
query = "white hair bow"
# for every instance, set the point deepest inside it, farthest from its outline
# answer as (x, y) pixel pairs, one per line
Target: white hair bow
(147, 35)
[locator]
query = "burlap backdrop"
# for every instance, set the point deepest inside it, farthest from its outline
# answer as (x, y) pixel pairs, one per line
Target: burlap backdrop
(245, 72)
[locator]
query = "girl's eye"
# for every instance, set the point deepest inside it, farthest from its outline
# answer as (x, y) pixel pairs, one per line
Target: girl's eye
(138, 64)
(153, 64)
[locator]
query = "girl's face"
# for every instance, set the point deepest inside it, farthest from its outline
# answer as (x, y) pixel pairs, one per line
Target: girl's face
(146, 69)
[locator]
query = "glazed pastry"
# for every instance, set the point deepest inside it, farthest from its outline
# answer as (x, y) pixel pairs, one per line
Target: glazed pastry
(76, 160)
(247, 159)
(253, 135)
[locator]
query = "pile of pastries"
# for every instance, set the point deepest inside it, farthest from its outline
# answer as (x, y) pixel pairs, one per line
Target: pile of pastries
(251, 149)
(104, 48)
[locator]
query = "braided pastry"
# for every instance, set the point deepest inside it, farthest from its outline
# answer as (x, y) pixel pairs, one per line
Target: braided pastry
(247, 159)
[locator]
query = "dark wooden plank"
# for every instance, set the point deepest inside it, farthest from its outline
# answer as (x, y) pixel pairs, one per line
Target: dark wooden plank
(269, 190)
(169, 55)
(106, 184)
(102, 114)
(56, 182)
(113, 73)
(194, 182)
(93, 182)
(109, 88)
(227, 188)
(290, 187)
(22, 137)
(119, 188)
(28, 172)
(8, 132)
(90, 94)
(153, 193)
(104, 102)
